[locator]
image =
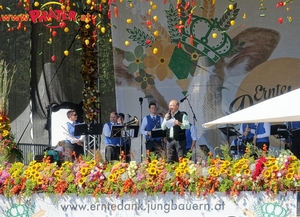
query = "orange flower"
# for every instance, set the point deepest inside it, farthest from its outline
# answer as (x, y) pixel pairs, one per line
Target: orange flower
(265, 147)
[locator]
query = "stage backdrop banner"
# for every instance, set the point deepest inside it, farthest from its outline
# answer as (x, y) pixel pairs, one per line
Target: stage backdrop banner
(247, 204)
(225, 58)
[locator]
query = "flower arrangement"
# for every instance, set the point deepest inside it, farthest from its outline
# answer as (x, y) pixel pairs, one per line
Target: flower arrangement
(152, 176)
(8, 146)
(9, 149)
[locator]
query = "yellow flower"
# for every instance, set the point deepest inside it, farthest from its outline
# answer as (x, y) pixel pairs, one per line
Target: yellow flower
(32, 172)
(32, 163)
(92, 163)
(211, 170)
(222, 171)
(238, 170)
(5, 133)
(247, 172)
(57, 173)
(111, 177)
(120, 171)
(215, 174)
(178, 172)
(185, 160)
(27, 174)
(186, 170)
(151, 170)
(154, 162)
(39, 181)
(226, 163)
(294, 157)
(242, 161)
(236, 165)
(150, 165)
(182, 165)
(291, 170)
(38, 165)
(229, 172)
(289, 176)
(267, 173)
(274, 167)
(81, 181)
(149, 181)
(37, 175)
(245, 166)
(83, 171)
(223, 167)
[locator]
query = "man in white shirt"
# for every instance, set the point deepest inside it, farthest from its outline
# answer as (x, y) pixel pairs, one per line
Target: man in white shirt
(72, 142)
(175, 122)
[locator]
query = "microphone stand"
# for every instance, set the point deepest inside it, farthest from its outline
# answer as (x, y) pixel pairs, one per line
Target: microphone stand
(141, 104)
(194, 123)
(127, 139)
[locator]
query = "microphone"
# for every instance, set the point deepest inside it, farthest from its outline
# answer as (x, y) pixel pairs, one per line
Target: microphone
(141, 100)
(184, 98)
(170, 115)
(129, 116)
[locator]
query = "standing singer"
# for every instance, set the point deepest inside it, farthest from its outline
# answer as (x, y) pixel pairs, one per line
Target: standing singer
(175, 122)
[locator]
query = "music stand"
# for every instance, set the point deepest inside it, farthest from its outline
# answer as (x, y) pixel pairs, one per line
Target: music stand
(116, 131)
(279, 131)
(158, 133)
(133, 130)
(229, 131)
(295, 133)
(80, 129)
(95, 129)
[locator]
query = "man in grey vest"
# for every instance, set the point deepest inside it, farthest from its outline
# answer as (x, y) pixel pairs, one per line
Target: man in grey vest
(175, 122)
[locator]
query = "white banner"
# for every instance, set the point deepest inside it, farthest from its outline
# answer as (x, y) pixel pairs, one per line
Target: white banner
(219, 204)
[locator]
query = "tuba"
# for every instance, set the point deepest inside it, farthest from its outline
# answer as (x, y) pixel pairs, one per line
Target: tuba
(134, 121)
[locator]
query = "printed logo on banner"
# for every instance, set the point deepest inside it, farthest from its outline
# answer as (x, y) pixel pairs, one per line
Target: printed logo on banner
(46, 15)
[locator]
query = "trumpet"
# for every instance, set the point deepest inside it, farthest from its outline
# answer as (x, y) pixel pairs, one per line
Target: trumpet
(134, 121)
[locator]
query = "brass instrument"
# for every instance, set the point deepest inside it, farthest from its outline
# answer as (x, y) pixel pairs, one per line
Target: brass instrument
(134, 121)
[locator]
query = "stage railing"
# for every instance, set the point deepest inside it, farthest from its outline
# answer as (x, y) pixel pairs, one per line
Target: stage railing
(30, 150)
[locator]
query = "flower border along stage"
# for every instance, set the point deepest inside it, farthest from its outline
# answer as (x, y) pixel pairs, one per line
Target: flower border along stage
(275, 177)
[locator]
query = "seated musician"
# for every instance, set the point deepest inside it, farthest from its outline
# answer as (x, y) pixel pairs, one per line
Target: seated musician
(126, 141)
(247, 130)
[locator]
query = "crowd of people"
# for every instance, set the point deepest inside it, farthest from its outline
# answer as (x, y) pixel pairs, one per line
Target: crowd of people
(170, 136)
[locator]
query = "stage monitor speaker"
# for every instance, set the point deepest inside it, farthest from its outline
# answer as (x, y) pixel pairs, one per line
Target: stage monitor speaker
(204, 149)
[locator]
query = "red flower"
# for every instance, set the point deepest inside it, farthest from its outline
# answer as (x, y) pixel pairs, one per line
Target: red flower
(258, 167)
